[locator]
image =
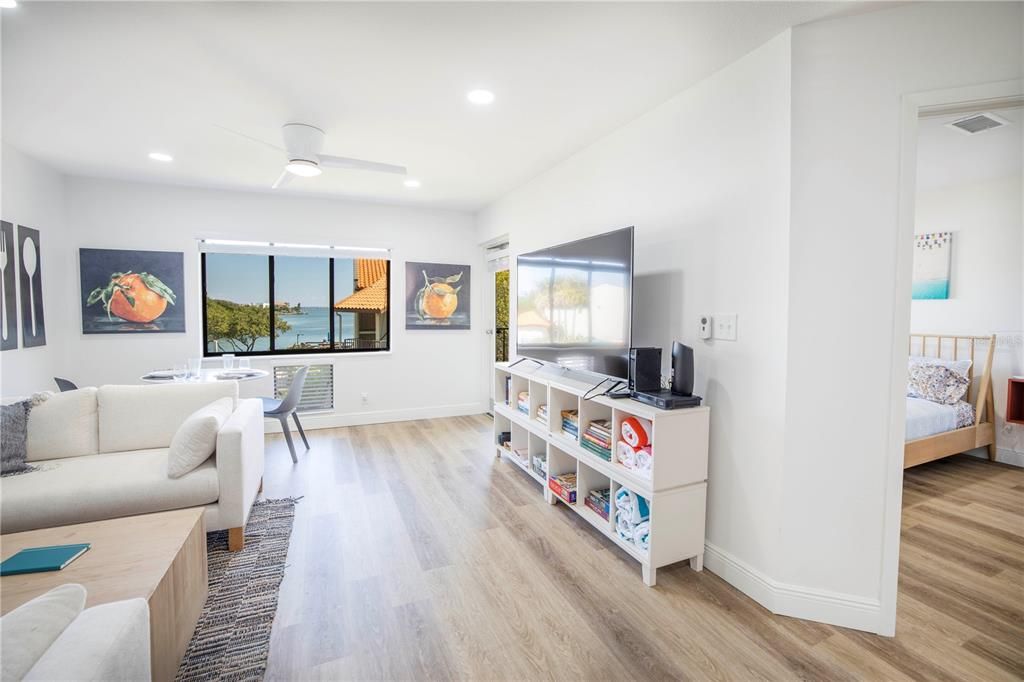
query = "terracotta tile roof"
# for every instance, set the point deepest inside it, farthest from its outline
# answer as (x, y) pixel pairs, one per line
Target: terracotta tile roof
(371, 298)
(369, 271)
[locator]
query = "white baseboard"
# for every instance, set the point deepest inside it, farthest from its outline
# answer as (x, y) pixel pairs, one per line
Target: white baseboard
(1003, 455)
(797, 601)
(332, 420)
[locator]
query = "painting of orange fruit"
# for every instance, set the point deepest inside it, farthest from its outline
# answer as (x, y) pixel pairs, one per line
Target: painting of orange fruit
(131, 291)
(437, 296)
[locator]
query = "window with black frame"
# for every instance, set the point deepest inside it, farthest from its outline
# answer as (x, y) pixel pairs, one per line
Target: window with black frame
(312, 304)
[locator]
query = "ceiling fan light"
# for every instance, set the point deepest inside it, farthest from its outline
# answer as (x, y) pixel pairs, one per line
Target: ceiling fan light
(303, 168)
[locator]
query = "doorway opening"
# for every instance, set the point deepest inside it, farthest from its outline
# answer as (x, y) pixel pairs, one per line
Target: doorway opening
(497, 295)
(959, 327)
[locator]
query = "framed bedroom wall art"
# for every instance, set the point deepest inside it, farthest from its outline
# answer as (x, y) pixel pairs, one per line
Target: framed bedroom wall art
(932, 259)
(132, 292)
(437, 296)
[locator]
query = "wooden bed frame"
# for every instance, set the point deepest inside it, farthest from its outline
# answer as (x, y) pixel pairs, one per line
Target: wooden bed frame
(983, 431)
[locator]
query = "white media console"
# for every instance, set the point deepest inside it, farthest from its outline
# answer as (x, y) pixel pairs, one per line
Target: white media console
(676, 489)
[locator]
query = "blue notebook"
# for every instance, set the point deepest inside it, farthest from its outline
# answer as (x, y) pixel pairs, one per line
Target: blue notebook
(40, 559)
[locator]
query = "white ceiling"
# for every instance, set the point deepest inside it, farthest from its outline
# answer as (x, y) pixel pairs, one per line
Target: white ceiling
(91, 88)
(949, 157)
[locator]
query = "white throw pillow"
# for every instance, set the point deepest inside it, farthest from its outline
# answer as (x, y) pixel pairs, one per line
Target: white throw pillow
(29, 630)
(196, 439)
(958, 366)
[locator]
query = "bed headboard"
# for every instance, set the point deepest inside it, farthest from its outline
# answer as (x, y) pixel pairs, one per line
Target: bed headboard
(957, 347)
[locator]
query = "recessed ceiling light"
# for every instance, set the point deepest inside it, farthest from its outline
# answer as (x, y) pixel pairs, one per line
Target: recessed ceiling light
(302, 168)
(411, 182)
(156, 156)
(480, 96)
(8, 4)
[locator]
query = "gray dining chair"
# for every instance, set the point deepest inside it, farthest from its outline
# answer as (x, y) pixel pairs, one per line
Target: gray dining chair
(65, 385)
(281, 409)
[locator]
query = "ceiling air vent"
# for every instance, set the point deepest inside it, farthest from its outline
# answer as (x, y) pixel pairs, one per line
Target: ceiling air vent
(978, 123)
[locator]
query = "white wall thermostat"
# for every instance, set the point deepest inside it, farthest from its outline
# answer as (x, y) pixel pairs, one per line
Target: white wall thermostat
(704, 328)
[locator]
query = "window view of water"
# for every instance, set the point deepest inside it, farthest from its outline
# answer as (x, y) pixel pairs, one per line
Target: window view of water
(238, 304)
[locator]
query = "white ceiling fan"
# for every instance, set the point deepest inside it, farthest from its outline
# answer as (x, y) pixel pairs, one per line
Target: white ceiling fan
(302, 146)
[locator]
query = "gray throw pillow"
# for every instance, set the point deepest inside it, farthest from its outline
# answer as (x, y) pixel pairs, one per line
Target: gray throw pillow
(13, 435)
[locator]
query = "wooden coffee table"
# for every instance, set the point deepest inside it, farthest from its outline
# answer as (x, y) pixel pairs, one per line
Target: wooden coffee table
(160, 557)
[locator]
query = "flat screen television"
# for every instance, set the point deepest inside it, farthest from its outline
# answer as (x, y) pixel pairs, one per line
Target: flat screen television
(574, 303)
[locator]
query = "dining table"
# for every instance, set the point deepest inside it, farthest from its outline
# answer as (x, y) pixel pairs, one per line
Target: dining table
(206, 375)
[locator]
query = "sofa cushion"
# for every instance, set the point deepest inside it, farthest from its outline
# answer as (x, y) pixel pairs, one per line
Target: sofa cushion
(63, 425)
(196, 439)
(103, 486)
(106, 643)
(142, 417)
(29, 630)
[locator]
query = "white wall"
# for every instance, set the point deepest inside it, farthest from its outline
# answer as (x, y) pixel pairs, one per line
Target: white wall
(704, 178)
(33, 195)
(986, 295)
(849, 276)
(425, 374)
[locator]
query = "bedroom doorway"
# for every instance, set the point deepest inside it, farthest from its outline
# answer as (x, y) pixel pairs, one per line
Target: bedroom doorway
(956, 476)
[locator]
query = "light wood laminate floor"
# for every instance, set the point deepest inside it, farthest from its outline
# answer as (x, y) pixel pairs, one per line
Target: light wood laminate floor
(417, 555)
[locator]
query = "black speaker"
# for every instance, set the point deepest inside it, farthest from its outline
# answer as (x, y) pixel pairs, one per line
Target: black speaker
(644, 369)
(682, 369)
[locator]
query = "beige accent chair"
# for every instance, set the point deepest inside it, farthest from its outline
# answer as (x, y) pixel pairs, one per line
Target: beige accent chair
(101, 453)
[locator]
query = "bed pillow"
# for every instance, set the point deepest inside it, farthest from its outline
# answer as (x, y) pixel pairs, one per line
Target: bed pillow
(958, 366)
(936, 383)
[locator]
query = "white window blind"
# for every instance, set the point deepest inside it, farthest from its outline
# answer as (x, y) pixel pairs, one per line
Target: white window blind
(318, 392)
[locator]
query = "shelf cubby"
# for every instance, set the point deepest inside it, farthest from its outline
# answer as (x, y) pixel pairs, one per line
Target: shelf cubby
(519, 385)
(588, 479)
(560, 400)
(501, 386)
(538, 397)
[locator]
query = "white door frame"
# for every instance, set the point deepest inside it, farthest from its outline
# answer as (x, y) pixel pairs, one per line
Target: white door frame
(489, 327)
(892, 513)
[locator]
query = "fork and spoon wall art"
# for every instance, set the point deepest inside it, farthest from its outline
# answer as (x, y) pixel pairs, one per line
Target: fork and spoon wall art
(20, 259)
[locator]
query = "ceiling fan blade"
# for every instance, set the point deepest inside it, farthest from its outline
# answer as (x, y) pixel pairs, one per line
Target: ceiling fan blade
(283, 179)
(357, 164)
(250, 138)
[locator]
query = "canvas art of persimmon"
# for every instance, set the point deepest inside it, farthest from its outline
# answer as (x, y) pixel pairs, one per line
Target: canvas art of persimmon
(126, 291)
(436, 296)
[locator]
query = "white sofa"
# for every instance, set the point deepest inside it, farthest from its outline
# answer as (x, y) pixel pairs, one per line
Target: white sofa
(102, 454)
(52, 638)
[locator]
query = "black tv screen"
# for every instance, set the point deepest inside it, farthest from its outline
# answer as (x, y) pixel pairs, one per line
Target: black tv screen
(574, 303)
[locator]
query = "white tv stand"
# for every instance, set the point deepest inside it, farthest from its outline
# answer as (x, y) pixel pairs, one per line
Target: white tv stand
(676, 489)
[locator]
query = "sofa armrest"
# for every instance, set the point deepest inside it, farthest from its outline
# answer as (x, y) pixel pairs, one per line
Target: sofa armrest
(106, 642)
(240, 463)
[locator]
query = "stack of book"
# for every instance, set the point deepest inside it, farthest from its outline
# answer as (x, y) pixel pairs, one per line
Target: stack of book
(599, 501)
(523, 402)
(542, 414)
(598, 439)
(571, 423)
(564, 486)
(540, 464)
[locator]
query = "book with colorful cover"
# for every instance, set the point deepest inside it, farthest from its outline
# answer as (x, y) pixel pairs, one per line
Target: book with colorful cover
(564, 486)
(606, 455)
(42, 559)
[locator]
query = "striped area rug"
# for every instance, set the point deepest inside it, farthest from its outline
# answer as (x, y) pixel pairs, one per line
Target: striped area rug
(232, 637)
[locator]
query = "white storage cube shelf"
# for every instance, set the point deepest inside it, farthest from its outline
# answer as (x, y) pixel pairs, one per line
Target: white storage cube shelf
(675, 489)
